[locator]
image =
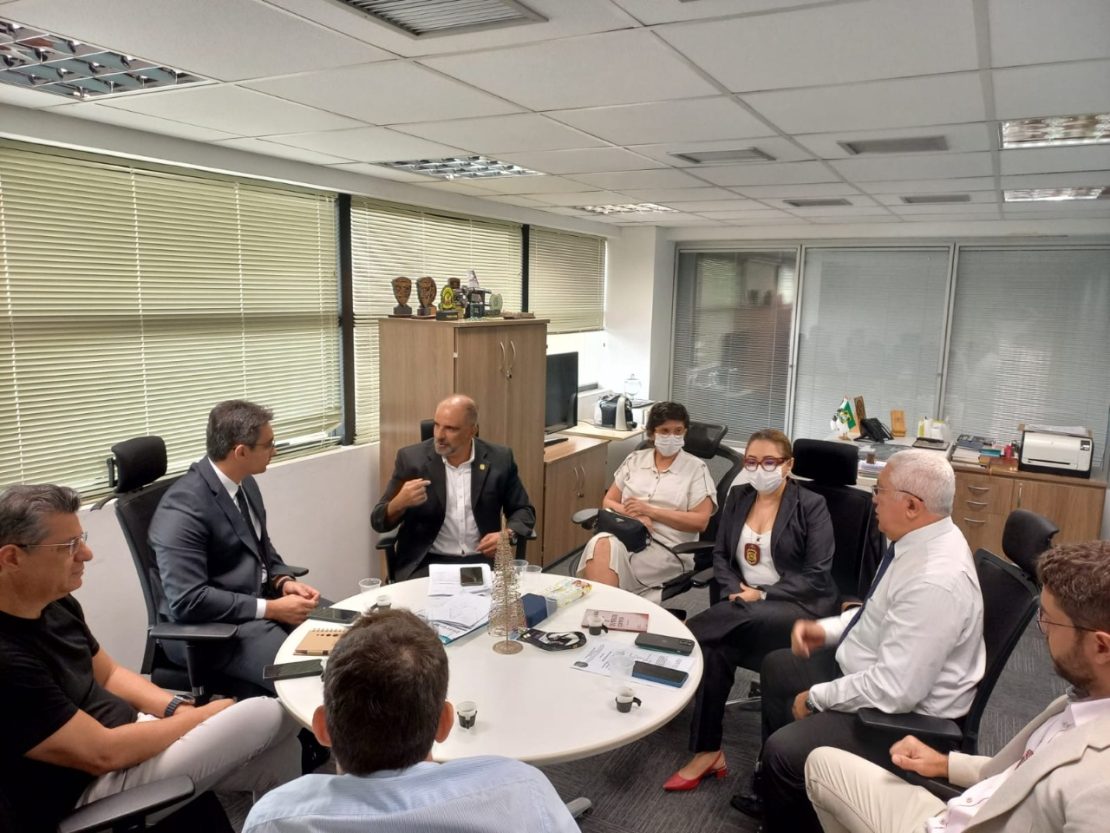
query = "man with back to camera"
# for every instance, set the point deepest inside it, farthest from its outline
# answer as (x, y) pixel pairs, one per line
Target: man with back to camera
(385, 705)
(76, 725)
(214, 553)
(916, 645)
(449, 492)
(1054, 776)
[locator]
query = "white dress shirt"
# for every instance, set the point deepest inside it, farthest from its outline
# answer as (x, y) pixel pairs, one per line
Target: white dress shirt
(233, 490)
(918, 644)
(459, 533)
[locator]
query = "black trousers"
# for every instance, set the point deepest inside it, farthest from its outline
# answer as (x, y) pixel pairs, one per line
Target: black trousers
(787, 742)
(244, 656)
(733, 636)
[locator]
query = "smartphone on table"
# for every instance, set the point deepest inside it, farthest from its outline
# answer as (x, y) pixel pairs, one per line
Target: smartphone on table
(667, 644)
(658, 674)
(292, 670)
(336, 615)
(471, 576)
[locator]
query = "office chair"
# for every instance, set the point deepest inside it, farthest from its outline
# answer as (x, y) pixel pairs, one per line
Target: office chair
(1024, 537)
(133, 472)
(703, 439)
(387, 541)
(127, 811)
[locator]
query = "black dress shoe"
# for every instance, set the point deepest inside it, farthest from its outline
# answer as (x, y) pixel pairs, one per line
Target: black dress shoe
(748, 803)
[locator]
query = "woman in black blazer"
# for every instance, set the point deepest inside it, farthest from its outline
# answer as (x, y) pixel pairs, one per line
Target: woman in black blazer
(772, 563)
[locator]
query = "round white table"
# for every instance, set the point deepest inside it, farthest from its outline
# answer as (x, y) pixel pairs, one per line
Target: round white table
(532, 706)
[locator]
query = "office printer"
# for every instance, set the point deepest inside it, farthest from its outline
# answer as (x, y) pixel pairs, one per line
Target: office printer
(1053, 453)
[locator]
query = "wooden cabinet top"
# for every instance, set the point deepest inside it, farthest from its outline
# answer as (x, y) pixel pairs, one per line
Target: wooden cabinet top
(466, 323)
(1094, 482)
(572, 446)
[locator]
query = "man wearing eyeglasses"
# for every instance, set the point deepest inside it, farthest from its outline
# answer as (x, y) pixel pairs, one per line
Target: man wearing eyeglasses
(215, 557)
(915, 645)
(77, 726)
(1054, 776)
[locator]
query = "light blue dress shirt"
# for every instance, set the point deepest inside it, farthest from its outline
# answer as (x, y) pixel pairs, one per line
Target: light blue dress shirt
(484, 794)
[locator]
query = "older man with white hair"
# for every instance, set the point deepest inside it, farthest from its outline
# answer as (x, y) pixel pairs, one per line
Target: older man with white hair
(915, 645)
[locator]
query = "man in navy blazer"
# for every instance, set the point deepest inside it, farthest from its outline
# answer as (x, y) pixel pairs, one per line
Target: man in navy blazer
(216, 564)
(450, 492)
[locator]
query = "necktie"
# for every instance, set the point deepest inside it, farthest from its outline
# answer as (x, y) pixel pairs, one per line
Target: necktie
(888, 557)
(244, 508)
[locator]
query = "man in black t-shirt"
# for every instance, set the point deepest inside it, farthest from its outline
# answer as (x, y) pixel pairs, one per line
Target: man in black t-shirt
(76, 725)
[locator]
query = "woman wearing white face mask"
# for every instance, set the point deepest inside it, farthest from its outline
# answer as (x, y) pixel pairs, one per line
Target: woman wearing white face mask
(772, 564)
(670, 492)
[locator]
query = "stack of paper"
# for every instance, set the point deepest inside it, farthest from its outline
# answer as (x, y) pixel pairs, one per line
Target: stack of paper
(454, 616)
(445, 580)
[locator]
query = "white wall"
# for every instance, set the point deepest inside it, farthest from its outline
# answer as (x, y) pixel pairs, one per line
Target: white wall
(318, 511)
(592, 348)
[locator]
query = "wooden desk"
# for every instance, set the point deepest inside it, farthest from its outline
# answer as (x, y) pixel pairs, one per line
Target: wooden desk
(588, 429)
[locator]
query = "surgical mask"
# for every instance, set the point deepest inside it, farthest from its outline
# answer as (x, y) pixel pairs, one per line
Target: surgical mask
(765, 482)
(669, 444)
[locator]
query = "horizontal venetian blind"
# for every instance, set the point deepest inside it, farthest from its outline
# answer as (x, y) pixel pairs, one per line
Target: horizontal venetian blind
(133, 300)
(566, 279)
(389, 241)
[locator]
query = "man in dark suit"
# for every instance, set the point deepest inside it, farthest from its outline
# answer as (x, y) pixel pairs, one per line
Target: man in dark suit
(214, 553)
(450, 492)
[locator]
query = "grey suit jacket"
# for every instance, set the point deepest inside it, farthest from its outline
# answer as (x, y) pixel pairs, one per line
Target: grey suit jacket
(208, 559)
(1064, 786)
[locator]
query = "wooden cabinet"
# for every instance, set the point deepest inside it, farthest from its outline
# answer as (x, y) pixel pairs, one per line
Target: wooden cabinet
(574, 479)
(984, 499)
(500, 363)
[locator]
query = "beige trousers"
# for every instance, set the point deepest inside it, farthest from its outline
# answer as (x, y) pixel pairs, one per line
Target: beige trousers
(852, 795)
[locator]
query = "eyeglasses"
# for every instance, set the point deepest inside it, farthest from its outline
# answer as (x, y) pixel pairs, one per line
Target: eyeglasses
(268, 446)
(767, 463)
(1041, 622)
(877, 490)
(71, 544)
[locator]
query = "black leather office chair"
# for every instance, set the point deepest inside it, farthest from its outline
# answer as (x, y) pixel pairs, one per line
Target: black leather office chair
(1024, 537)
(128, 811)
(703, 439)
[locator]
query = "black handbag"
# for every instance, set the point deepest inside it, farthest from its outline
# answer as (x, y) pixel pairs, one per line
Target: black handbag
(629, 531)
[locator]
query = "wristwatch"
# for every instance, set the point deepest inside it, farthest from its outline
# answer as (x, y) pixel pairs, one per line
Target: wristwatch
(178, 700)
(811, 707)
(763, 595)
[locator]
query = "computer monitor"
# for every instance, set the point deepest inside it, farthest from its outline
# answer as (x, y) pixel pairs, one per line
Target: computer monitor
(561, 411)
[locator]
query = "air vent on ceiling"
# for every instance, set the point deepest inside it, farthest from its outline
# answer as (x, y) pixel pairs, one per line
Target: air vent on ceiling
(911, 144)
(429, 18)
(736, 155)
(937, 199)
(817, 203)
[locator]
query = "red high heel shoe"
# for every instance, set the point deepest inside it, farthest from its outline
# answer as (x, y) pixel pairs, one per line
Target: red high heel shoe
(676, 783)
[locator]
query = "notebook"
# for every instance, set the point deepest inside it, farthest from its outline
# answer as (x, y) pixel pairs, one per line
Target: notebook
(319, 642)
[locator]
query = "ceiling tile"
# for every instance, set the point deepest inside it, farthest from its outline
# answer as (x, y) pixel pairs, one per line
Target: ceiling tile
(1061, 90)
(777, 147)
(678, 194)
(767, 221)
(980, 209)
(983, 217)
(906, 102)
(381, 172)
(668, 11)
(1078, 179)
(767, 173)
(977, 199)
(620, 180)
(667, 121)
(389, 92)
(929, 186)
(595, 160)
(218, 39)
(838, 211)
(832, 44)
(583, 198)
(961, 138)
(615, 68)
(526, 202)
(863, 219)
(515, 185)
(826, 189)
(919, 165)
(137, 121)
(854, 200)
(454, 187)
(27, 98)
(232, 110)
(1050, 160)
(502, 134)
(1035, 32)
(712, 205)
(1076, 207)
(368, 144)
(282, 151)
(762, 214)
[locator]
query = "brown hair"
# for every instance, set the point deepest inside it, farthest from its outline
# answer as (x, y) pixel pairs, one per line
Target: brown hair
(775, 436)
(384, 689)
(1078, 576)
(664, 412)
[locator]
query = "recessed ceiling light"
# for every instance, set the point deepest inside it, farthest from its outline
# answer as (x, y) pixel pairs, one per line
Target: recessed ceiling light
(630, 208)
(909, 144)
(937, 199)
(1056, 131)
(35, 59)
(751, 154)
(817, 203)
(461, 167)
(426, 18)
(1054, 194)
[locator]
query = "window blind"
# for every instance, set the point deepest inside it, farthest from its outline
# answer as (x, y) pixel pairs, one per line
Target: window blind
(871, 324)
(135, 299)
(1029, 341)
(732, 338)
(566, 279)
(388, 241)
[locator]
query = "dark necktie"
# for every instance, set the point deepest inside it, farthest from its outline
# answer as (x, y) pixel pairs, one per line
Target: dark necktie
(888, 557)
(244, 508)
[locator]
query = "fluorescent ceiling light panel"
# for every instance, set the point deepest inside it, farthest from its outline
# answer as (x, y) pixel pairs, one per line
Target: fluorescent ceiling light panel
(428, 18)
(739, 155)
(35, 59)
(816, 203)
(909, 144)
(1056, 131)
(632, 208)
(1055, 194)
(462, 167)
(936, 199)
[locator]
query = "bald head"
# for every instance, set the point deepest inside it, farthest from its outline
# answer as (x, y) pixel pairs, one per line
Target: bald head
(467, 406)
(456, 425)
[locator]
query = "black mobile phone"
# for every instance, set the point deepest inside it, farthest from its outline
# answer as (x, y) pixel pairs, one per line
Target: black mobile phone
(470, 576)
(658, 674)
(292, 670)
(667, 644)
(333, 614)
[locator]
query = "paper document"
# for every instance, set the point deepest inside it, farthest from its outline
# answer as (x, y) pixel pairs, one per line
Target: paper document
(464, 610)
(1067, 430)
(444, 580)
(599, 651)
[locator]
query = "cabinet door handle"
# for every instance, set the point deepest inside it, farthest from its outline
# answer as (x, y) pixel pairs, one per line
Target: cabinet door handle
(979, 490)
(504, 368)
(512, 362)
(978, 503)
(1020, 485)
(974, 521)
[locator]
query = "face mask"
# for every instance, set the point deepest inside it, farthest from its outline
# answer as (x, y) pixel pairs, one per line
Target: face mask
(669, 445)
(765, 481)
